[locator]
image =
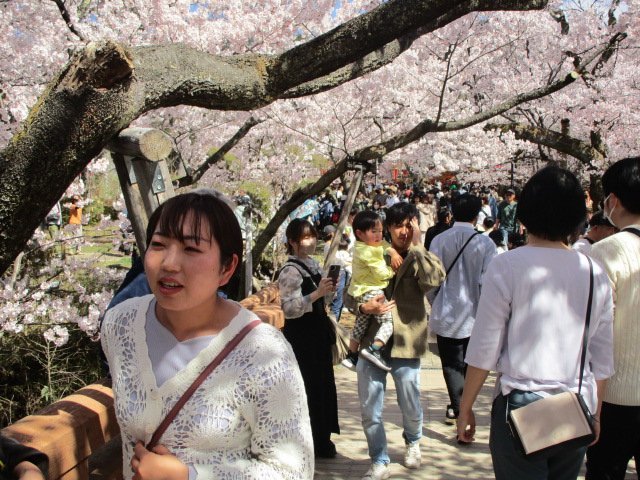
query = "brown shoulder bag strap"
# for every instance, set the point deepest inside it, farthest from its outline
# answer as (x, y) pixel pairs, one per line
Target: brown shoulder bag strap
(196, 383)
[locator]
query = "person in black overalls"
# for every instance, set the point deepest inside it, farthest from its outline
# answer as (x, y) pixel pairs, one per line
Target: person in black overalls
(310, 332)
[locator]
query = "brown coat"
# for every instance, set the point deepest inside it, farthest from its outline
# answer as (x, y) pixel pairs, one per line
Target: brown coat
(420, 272)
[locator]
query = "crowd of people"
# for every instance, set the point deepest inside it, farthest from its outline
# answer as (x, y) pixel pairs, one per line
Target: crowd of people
(262, 403)
(502, 279)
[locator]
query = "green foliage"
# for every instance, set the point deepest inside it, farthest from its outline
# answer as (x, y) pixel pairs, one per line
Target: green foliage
(104, 186)
(83, 8)
(35, 373)
(303, 183)
(259, 193)
(94, 210)
(294, 150)
(231, 161)
(103, 189)
(320, 161)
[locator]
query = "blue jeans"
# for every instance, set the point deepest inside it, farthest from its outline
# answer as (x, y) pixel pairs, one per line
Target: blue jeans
(372, 382)
(336, 304)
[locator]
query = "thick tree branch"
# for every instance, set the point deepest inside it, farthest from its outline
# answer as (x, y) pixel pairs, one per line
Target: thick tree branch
(583, 151)
(369, 63)
(376, 59)
(353, 40)
(218, 154)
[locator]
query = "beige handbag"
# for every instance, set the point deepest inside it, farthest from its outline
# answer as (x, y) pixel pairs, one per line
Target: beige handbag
(560, 422)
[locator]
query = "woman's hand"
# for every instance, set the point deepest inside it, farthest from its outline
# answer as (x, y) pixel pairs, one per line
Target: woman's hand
(473, 381)
(325, 286)
(466, 426)
(157, 464)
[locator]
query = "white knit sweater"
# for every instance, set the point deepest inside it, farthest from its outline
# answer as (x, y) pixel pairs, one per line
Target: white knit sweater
(248, 419)
(619, 254)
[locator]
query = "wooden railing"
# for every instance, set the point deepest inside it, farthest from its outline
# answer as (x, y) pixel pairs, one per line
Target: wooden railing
(80, 434)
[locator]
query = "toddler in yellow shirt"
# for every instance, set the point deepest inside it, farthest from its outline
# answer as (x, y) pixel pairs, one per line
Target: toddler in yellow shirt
(371, 274)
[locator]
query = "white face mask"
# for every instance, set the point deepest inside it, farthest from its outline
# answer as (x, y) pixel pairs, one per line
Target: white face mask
(604, 210)
(307, 247)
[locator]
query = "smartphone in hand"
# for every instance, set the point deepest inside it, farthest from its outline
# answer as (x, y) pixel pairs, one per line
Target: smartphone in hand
(334, 274)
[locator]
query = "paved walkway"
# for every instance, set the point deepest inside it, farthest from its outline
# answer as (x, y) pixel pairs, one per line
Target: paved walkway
(442, 458)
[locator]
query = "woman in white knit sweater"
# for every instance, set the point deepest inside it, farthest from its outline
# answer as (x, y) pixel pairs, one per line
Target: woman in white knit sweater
(249, 417)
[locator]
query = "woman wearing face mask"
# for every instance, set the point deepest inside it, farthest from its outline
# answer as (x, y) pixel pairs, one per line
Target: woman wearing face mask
(308, 328)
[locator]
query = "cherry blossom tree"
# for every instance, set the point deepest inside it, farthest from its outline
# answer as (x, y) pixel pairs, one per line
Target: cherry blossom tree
(465, 67)
(107, 85)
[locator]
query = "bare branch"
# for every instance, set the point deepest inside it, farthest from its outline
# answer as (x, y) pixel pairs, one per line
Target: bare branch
(218, 154)
(449, 58)
(67, 19)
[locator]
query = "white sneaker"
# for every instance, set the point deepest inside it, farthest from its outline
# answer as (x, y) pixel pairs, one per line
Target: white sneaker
(350, 361)
(450, 416)
(412, 455)
(378, 471)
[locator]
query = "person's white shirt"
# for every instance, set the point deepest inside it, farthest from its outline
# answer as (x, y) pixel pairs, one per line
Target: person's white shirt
(485, 212)
(531, 318)
(454, 306)
(583, 245)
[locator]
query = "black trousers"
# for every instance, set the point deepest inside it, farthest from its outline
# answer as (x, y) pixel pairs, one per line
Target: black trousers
(452, 352)
(619, 442)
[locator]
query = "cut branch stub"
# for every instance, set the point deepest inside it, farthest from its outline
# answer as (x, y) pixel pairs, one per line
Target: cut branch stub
(98, 65)
(147, 143)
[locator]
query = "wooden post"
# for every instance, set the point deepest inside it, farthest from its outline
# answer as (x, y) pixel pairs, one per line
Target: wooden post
(348, 204)
(147, 143)
(140, 157)
(132, 199)
(154, 182)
